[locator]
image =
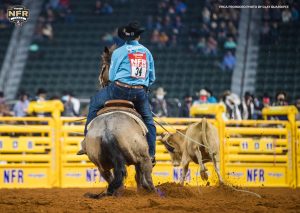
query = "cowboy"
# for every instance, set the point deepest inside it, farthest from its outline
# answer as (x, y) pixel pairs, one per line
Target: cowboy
(159, 103)
(131, 73)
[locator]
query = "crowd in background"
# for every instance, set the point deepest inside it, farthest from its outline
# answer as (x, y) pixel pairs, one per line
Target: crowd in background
(272, 17)
(248, 107)
(167, 24)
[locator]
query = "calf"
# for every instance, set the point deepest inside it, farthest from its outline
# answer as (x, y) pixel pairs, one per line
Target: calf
(198, 143)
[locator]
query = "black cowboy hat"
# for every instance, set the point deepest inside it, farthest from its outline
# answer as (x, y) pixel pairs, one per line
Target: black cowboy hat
(130, 31)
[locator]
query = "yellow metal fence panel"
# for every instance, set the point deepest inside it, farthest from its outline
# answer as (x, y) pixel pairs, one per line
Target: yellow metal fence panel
(27, 153)
(41, 152)
(258, 153)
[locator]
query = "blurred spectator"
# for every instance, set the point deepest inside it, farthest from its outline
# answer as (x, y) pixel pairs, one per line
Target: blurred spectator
(206, 15)
(163, 39)
(185, 107)
(280, 99)
(4, 109)
(210, 97)
(64, 4)
(203, 97)
(47, 31)
(266, 101)
(286, 15)
(232, 29)
(68, 16)
(247, 107)
(71, 105)
(181, 7)
(4, 23)
(155, 37)
(98, 7)
(232, 103)
(201, 45)
(228, 62)
(50, 15)
(212, 45)
(295, 14)
(107, 9)
(230, 44)
(20, 108)
(222, 31)
(159, 104)
(41, 95)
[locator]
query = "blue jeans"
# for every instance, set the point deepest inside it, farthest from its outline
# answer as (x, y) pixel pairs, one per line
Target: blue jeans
(139, 97)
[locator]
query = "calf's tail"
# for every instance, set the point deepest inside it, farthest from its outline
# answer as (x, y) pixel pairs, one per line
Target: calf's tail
(113, 155)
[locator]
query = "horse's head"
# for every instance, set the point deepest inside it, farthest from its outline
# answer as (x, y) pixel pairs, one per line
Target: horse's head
(105, 64)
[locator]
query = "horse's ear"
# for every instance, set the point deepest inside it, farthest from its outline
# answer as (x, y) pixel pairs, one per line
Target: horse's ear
(106, 50)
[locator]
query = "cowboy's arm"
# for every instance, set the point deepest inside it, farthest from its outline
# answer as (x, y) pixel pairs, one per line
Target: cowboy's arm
(151, 71)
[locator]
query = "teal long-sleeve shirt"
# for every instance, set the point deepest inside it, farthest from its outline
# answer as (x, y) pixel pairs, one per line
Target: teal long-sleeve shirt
(132, 64)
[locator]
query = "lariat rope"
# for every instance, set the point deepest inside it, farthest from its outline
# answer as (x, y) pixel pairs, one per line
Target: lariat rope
(194, 141)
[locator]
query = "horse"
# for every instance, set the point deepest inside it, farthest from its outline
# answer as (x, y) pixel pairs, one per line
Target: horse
(116, 139)
(105, 64)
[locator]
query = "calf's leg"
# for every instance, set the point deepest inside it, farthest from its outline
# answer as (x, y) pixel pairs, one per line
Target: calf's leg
(203, 169)
(185, 167)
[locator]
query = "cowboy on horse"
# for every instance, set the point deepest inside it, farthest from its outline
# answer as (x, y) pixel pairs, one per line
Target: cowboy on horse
(131, 73)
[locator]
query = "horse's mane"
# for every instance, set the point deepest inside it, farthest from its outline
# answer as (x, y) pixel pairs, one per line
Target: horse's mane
(106, 55)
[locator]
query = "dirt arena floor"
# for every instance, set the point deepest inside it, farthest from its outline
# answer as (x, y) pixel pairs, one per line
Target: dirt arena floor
(172, 198)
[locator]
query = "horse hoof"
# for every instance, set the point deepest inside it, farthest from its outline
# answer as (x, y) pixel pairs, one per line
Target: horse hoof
(95, 196)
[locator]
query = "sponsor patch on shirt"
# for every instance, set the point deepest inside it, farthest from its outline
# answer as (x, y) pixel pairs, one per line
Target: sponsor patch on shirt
(138, 65)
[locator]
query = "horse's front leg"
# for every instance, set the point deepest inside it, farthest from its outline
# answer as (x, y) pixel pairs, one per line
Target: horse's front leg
(138, 176)
(146, 170)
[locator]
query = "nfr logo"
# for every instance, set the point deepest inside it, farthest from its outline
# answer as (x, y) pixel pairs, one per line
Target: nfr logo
(177, 174)
(254, 175)
(13, 176)
(92, 175)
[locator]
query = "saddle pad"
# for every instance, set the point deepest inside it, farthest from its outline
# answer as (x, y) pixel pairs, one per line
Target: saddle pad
(136, 118)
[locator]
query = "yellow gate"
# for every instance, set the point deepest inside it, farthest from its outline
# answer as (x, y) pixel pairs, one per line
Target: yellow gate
(258, 153)
(27, 153)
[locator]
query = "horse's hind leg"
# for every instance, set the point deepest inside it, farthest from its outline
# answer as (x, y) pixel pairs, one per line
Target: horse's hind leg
(117, 182)
(106, 174)
(146, 169)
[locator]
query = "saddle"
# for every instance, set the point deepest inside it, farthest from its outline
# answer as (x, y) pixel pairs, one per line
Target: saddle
(119, 105)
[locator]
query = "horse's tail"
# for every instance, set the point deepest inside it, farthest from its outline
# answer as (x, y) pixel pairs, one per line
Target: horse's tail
(112, 152)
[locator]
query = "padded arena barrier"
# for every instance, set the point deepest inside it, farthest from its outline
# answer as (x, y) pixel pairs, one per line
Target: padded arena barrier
(27, 153)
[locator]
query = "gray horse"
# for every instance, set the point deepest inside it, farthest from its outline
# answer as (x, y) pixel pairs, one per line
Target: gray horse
(114, 140)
